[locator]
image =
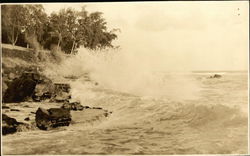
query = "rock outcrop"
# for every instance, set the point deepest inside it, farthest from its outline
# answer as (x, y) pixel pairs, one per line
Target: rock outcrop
(51, 118)
(20, 88)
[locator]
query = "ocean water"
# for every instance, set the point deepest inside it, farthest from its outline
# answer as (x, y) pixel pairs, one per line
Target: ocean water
(152, 112)
(213, 122)
(216, 122)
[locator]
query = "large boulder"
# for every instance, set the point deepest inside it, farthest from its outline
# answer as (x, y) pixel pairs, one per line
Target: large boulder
(53, 117)
(20, 88)
(31, 84)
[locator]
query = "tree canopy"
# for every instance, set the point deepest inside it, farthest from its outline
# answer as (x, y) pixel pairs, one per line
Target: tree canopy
(68, 29)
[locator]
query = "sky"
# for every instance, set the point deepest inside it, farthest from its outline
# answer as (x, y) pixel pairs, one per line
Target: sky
(178, 35)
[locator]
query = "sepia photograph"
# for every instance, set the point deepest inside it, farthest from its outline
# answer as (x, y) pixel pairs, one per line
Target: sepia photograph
(125, 78)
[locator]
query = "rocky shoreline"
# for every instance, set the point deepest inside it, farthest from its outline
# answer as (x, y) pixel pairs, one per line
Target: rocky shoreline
(32, 101)
(28, 116)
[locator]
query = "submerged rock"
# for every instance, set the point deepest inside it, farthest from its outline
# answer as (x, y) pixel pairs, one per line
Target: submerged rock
(53, 117)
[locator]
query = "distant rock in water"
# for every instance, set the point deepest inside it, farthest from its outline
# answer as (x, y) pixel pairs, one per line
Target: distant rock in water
(215, 76)
(10, 125)
(53, 117)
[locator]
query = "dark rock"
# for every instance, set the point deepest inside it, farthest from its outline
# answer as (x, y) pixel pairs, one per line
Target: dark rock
(53, 117)
(27, 119)
(74, 106)
(9, 125)
(96, 108)
(20, 88)
(5, 107)
(46, 95)
(32, 112)
(86, 107)
(17, 110)
(215, 76)
(106, 114)
(29, 86)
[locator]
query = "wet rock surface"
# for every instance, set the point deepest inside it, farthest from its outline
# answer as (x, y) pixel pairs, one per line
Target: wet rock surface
(33, 86)
(53, 117)
(48, 118)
